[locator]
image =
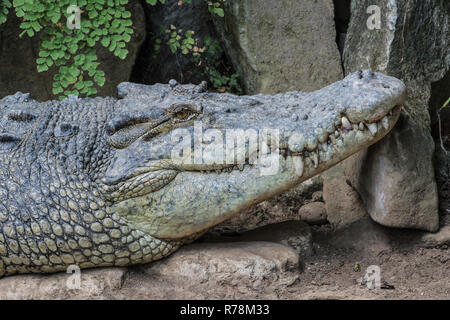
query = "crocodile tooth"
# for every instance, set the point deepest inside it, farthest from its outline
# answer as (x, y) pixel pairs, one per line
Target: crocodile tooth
(321, 134)
(241, 166)
(296, 142)
(346, 123)
(325, 147)
(336, 133)
(218, 171)
(311, 143)
(315, 159)
(385, 123)
(373, 128)
(330, 129)
(333, 138)
(298, 164)
(361, 126)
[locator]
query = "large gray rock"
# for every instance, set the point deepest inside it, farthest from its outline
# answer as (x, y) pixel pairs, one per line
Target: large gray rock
(313, 213)
(91, 284)
(343, 204)
(295, 234)
(281, 45)
(397, 184)
(18, 60)
(420, 57)
(239, 268)
(198, 271)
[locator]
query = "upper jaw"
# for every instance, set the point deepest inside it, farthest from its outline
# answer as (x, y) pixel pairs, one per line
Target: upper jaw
(347, 137)
(368, 96)
(308, 124)
(185, 202)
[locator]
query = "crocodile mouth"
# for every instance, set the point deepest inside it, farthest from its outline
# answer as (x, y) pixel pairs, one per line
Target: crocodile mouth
(329, 148)
(343, 129)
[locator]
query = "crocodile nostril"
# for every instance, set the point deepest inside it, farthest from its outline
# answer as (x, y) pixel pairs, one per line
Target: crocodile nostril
(360, 74)
(21, 116)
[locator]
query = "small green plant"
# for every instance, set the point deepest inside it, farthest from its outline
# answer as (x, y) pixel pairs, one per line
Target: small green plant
(216, 7)
(446, 103)
(176, 39)
(224, 83)
(73, 50)
(211, 58)
(4, 10)
(208, 57)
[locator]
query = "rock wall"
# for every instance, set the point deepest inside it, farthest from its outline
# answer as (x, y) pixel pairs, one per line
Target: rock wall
(281, 45)
(413, 45)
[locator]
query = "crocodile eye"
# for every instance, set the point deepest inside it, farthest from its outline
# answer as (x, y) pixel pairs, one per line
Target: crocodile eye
(184, 112)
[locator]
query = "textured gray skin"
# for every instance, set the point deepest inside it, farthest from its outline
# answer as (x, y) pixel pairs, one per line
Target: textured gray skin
(91, 181)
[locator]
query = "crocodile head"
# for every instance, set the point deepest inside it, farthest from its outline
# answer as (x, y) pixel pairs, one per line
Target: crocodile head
(174, 173)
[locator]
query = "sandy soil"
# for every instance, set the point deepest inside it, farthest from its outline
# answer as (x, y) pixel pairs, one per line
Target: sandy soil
(408, 270)
(414, 272)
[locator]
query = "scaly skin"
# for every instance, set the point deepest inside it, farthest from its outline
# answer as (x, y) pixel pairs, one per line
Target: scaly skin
(92, 182)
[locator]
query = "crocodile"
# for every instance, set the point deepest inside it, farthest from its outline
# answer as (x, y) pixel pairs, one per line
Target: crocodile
(95, 182)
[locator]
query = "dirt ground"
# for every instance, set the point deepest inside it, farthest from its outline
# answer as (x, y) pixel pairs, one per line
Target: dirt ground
(408, 270)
